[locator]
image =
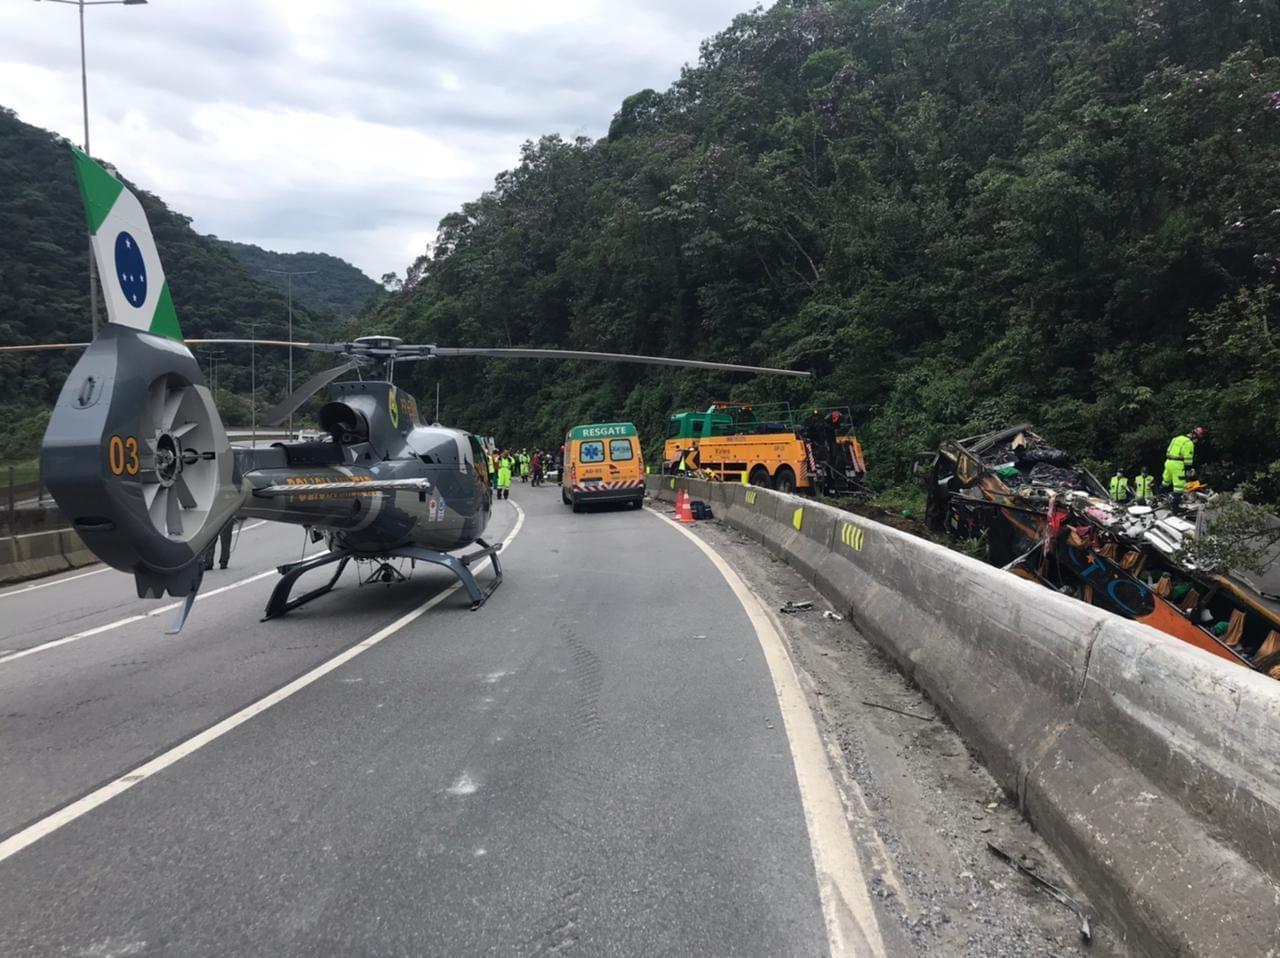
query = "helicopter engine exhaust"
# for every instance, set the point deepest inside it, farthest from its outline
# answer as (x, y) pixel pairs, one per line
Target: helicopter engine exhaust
(137, 459)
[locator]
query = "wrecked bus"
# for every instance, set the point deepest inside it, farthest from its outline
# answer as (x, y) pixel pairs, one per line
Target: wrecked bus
(1050, 521)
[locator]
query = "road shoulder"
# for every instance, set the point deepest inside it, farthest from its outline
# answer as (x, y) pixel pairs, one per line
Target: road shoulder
(921, 806)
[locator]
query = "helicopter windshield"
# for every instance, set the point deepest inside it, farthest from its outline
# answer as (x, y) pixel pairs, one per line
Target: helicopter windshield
(439, 447)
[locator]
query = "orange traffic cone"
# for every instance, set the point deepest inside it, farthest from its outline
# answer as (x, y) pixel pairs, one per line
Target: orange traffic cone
(684, 512)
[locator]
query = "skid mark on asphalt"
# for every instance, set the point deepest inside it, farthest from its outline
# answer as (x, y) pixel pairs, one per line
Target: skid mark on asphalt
(100, 796)
(577, 812)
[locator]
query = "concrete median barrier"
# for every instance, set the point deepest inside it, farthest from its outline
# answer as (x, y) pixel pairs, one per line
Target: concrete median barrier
(38, 546)
(1153, 768)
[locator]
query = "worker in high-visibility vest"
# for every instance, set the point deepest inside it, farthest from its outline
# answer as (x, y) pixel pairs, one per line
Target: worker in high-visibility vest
(505, 465)
(1144, 486)
(1119, 487)
(1179, 458)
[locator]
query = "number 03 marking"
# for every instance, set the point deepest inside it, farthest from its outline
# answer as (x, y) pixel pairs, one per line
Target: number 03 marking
(122, 456)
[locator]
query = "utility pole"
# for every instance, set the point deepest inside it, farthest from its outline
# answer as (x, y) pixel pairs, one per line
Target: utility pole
(84, 99)
(291, 273)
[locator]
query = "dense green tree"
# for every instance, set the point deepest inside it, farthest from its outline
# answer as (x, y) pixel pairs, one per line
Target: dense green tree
(956, 214)
(326, 285)
(44, 289)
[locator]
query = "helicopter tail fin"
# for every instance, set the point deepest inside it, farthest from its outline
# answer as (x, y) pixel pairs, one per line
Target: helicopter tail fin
(133, 281)
(135, 454)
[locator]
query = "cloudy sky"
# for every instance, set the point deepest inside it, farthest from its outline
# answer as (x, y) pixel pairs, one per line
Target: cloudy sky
(344, 127)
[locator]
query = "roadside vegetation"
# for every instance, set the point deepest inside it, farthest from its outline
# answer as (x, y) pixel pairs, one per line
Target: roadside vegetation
(958, 215)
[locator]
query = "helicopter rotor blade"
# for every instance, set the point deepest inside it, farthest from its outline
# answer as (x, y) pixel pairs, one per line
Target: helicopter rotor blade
(610, 357)
(294, 401)
(315, 347)
(41, 347)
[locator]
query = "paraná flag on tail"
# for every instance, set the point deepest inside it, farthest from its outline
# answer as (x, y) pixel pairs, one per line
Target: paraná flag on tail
(133, 280)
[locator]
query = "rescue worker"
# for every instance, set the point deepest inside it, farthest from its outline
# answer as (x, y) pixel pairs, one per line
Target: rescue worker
(535, 468)
(524, 466)
(1119, 487)
(493, 469)
(223, 537)
(832, 432)
(505, 465)
(674, 464)
(1179, 457)
(816, 432)
(1144, 486)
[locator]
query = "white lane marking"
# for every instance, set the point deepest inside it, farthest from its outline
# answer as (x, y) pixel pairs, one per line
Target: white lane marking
(130, 619)
(72, 578)
(465, 785)
(852, 928)
(45, 585)
(82, 806)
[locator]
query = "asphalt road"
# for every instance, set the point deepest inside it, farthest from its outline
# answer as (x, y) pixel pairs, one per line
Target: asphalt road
(595, 762)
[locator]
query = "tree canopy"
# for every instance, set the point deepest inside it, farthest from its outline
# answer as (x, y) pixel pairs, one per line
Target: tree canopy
(957, 214)
(324, 284)
(44, 290)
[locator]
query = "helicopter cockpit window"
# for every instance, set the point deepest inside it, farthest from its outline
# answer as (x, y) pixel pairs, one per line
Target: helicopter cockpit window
(434, 448)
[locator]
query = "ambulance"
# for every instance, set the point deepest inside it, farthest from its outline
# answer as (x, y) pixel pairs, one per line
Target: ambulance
(602, 463)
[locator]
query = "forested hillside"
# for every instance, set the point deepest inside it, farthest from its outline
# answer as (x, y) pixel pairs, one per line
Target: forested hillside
(957, 214)
(324, 284)
(44, 288)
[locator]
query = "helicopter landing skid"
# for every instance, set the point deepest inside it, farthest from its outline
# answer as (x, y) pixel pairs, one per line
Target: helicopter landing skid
(280, 603)
(460, 566)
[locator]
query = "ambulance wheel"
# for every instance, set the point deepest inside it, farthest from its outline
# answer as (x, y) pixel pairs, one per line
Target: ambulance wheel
(637, 503)
(785, 480)
(564, 497)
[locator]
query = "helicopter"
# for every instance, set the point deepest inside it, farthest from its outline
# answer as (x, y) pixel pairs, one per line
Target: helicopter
(138, 459)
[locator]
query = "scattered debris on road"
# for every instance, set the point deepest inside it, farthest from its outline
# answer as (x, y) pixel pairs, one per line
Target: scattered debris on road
(791, 608)
(1052, 890)
(828, 614)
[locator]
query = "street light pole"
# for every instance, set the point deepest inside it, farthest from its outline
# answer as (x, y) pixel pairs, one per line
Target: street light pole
(84, 99)
(291, 274)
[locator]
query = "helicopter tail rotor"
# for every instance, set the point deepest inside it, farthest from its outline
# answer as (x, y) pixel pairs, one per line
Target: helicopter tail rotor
(137, 458)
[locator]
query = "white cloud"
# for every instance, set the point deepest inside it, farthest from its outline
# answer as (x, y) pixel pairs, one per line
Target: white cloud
(349, 128)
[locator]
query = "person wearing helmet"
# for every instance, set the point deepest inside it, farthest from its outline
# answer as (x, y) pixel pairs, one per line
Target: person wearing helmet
(1179, 457)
